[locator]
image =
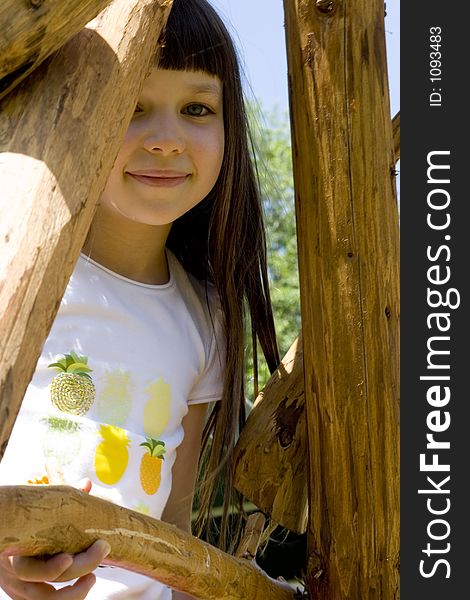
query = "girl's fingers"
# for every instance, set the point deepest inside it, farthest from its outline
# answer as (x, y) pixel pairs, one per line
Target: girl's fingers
(85, 562)
(62, 567)
(28, 568)
(24, 590)
(78, 590)
(30, 591)
(84, 485)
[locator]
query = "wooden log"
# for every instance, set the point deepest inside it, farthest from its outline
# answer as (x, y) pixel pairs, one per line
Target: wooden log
(33, 29)
(348, 261)
(62, 127)
(271, 453)
(37, 520)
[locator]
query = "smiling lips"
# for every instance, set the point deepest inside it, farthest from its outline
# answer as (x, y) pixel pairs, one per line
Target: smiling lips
(157, 178)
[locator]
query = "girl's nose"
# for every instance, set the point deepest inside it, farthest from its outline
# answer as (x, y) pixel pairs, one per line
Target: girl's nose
(164, 136)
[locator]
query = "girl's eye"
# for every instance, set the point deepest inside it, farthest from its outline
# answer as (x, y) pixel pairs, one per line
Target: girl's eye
(138, 109)
(197, 110)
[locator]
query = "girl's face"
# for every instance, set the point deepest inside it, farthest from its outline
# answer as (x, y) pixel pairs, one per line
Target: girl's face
(172, 152)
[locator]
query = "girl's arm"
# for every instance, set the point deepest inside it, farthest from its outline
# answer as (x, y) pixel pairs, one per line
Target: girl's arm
(178, 508)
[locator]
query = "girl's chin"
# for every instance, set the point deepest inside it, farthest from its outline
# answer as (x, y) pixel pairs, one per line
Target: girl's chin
(144, 216)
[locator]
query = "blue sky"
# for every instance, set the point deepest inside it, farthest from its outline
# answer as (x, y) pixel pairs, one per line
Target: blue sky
(258, 29)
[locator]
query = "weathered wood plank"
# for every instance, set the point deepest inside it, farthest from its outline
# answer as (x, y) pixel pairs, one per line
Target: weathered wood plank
(63, 127)
(348, 255)
(271, 453)
(138, 542)
(33, 29)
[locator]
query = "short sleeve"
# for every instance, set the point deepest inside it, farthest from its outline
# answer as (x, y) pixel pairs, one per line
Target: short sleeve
(209, 385)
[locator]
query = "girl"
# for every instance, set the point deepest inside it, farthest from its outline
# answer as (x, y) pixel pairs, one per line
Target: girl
(143, 367)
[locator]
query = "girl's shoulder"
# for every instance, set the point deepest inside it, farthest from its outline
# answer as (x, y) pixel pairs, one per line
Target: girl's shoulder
(203, 304)
(201, 297)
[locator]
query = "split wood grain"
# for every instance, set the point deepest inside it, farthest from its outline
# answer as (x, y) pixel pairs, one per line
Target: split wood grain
(271, 453)
(33, 29)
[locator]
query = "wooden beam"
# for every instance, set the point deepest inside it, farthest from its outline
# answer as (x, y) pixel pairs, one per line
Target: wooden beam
(63, 127)
(33, 29)
(138, 542)
(271, 453)
(348, 261)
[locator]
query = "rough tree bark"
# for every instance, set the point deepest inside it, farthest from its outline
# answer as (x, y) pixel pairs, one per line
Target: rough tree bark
(138, 542)
(271, 452)
(348, 256)
(62, 126)
(33, 29)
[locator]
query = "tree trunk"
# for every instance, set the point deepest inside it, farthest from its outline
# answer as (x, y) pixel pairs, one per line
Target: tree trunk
(348, 257)
(38, 520)
(263, 448)
(62, 127)
(271, 452)
(33, 29)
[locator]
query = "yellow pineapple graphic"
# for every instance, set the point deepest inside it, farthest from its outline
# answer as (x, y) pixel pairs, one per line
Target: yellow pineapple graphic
(72, 390)
(114, 402)
(157, 408)
(151, 465)
(112, 454)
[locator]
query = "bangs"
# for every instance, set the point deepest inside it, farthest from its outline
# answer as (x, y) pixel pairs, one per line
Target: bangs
(196, 39)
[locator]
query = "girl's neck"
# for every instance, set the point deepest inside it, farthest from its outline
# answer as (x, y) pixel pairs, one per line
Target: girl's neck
(133, 250)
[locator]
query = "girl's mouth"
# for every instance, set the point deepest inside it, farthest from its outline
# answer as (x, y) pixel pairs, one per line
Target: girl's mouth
(159, 178)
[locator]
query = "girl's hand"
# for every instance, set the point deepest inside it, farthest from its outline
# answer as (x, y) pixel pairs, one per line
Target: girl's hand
(24, 578)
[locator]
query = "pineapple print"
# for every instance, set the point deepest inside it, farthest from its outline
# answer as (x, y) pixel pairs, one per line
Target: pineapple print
(151, 465)
(157, 408)
(62, 439)
(114, 402)
(112, 454)
(72, 390)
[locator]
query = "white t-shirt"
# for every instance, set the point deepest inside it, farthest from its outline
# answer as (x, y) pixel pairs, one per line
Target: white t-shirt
(152, 351)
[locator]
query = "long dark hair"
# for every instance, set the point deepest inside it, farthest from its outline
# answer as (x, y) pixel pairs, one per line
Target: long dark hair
(222, 240)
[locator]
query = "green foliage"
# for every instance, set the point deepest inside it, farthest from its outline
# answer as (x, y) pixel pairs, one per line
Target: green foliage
(272, 151)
